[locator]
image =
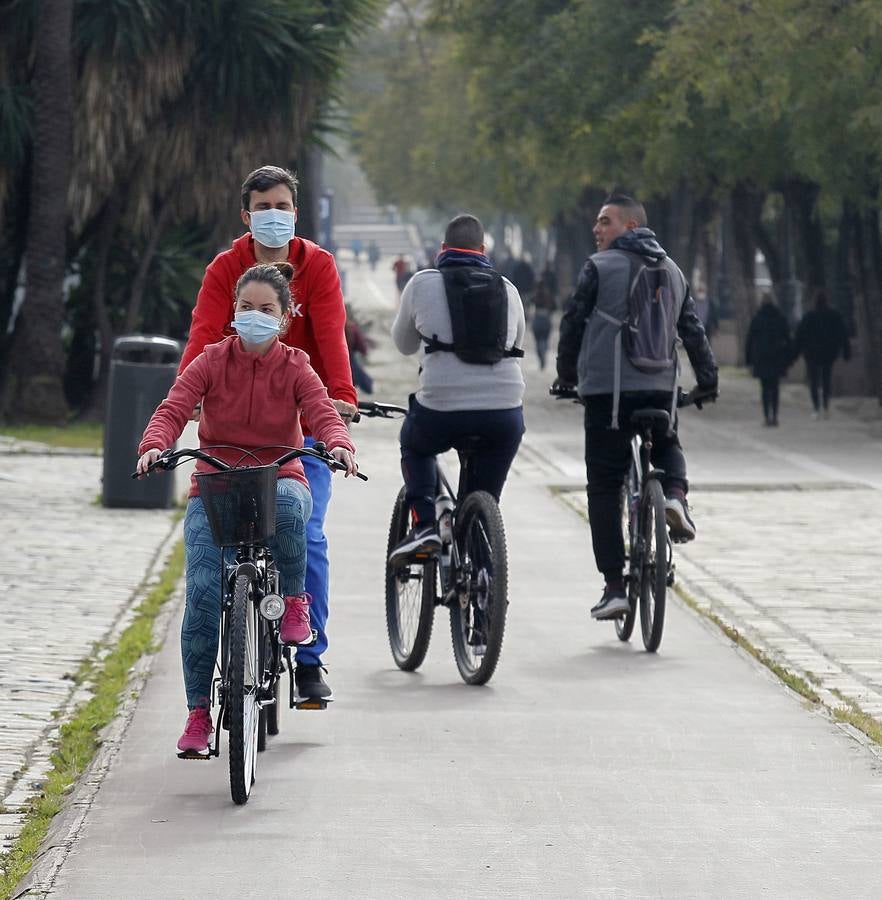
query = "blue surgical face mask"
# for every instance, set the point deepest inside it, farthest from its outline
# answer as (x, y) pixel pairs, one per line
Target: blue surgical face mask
(255, 327)
(272, 227)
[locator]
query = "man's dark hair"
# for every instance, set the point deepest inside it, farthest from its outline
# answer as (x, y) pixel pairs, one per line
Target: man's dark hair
(632, 209)
(464, 231)
(263, 179)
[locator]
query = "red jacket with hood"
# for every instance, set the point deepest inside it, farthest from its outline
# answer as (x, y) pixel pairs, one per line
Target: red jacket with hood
(317, 314)
(250, 401)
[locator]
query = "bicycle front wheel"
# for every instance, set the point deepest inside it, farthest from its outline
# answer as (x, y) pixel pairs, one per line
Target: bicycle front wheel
(410, 598)
(625, 624)
(654, 568)
(477, 613)
(243, 684)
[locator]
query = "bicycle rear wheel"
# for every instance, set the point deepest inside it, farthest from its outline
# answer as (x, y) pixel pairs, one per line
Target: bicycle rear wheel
(243, 683)
(477, 613)
(410, 597)
(654, 568)
(625, 624)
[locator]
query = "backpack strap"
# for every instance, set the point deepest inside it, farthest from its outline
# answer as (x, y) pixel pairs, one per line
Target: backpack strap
(617, 364)
(433, 344)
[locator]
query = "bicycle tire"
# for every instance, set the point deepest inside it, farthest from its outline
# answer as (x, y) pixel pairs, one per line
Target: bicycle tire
(242, 685)
(483, 561)
(410, 598)
(654, 565)
(268, 722)
(625, 624)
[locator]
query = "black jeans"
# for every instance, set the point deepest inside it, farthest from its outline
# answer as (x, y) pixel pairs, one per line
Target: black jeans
(769, 394)
(607, 458)
(820, 374)
(428, 432)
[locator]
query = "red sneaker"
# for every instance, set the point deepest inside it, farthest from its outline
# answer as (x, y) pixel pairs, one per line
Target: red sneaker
(197, 732)
(295, 627)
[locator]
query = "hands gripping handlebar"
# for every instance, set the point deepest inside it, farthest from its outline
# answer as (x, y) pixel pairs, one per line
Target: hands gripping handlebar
(696, 397)
(171, 459)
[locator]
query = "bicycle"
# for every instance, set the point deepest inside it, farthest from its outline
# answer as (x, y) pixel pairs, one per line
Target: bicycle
(469, 576)
(240, 504)
(649, 549)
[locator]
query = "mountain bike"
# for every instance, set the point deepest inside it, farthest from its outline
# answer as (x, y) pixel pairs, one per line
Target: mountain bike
(648, 549)
(469, 576)
(240, 504)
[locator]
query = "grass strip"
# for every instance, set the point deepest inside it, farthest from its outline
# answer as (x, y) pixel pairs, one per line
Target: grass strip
(792, 680)
(80, 435)
(851, 713)
(79, 739)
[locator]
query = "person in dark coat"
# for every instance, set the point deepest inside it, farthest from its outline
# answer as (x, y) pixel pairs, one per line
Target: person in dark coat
(769, 353)
(821, 337)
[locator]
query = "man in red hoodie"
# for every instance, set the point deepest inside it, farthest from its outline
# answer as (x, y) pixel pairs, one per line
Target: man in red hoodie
(318, 317)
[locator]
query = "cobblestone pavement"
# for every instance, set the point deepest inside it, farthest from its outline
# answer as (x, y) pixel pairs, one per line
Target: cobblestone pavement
(69, 571)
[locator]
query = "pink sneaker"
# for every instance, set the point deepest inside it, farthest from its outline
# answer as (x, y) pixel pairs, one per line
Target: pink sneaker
(295, 628)
(197, 732)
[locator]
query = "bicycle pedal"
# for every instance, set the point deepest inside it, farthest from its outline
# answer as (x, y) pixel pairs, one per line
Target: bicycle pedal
(192, 754)
(312, 703)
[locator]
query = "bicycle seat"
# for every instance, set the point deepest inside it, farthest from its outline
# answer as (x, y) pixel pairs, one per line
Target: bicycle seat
(656, 420)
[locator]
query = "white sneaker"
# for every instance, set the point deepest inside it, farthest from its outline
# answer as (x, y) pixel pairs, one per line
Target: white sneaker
(679, 521)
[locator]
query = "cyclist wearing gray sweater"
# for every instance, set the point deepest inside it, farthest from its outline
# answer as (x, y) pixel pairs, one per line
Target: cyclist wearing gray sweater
(459, 399)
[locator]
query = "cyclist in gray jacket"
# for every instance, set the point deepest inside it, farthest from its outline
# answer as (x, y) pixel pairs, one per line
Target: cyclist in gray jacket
(471, 383)
(611, 387)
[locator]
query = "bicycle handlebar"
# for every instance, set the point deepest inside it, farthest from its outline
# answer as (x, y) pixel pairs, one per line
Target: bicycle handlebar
(373, 410)
(171, 459)
(696, 397)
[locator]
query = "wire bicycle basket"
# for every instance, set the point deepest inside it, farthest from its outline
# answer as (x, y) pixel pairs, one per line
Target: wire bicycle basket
(240, 504)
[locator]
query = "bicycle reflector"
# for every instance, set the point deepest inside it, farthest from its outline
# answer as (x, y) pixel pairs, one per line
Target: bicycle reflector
(272, 606)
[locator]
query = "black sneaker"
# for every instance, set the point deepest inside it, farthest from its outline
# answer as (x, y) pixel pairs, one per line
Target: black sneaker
(679, 521)
(613, 604)
(420, 539)
(310, 684)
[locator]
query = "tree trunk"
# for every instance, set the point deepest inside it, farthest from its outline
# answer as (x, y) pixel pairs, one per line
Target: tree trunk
(868, 266)
(37, 362)
(739, 260)
(802, 198)
(136, 298)
(103, 243)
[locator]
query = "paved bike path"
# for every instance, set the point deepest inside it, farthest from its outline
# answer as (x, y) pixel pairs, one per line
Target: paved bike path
(586, 768)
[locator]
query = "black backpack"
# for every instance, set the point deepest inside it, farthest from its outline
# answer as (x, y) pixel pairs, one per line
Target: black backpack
(478, 304)
(649, 334)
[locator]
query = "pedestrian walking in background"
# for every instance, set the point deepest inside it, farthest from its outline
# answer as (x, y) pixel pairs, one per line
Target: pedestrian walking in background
(544, 305)
(821, 338)
(707, 312)
(769, 353)
(373, 252)
(359, 345)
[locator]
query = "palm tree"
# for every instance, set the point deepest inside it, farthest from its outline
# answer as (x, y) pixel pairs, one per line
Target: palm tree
(37, 390)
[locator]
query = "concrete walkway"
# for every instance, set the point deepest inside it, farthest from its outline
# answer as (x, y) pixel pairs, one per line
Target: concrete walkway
(586, 768)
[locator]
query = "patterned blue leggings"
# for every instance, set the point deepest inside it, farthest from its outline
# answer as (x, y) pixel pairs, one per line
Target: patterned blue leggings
(199, 632)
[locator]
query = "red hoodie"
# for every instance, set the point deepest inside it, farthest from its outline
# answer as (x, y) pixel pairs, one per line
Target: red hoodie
(317, 311)
(250, 401)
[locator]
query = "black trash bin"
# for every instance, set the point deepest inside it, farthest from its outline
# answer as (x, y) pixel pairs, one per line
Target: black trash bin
(142, 369)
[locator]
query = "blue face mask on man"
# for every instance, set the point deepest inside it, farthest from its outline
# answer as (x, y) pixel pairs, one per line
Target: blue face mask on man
(255, 327)
(272, 227)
